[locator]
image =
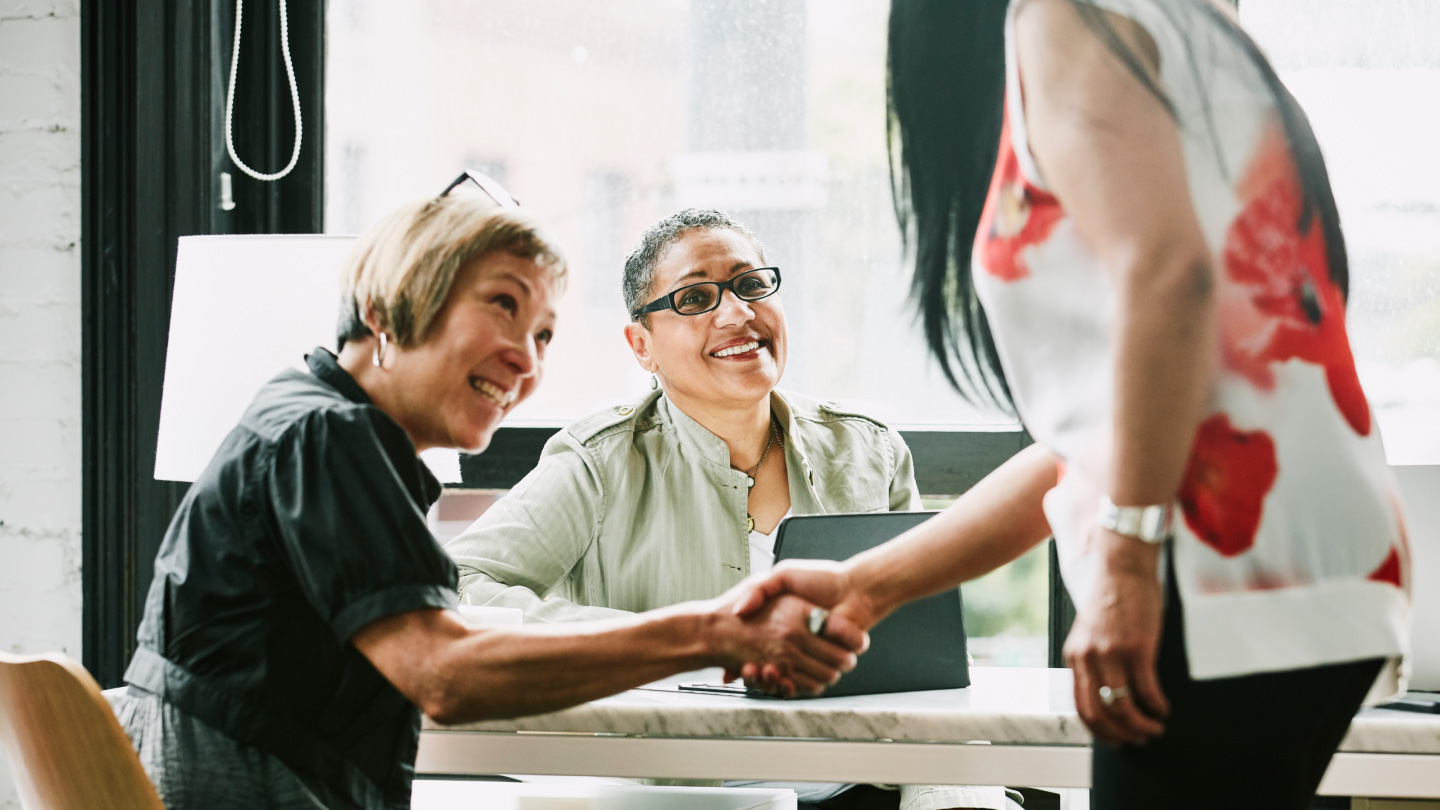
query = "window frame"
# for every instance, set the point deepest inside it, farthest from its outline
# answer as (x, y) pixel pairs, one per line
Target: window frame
(153, 84)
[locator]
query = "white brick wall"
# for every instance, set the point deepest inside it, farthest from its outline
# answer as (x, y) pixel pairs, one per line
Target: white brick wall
(39, 330)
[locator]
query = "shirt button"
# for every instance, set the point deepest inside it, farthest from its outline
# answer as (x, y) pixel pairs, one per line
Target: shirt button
(626, 411)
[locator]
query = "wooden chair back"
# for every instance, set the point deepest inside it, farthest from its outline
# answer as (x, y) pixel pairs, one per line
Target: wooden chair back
(66, 749)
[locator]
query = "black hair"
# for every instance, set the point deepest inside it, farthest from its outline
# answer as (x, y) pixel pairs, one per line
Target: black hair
(945, 96)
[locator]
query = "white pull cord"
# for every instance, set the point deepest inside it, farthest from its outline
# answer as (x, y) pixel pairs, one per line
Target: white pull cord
(230, 96)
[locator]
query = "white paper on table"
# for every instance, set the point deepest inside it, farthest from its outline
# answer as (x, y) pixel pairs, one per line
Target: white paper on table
(244, 308)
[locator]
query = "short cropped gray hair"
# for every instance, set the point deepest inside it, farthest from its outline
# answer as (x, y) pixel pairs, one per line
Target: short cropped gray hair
(640, 264)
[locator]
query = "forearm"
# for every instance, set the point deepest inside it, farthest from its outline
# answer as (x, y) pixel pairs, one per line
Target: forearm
(1165, 359)
(510, 672)
(996, 521)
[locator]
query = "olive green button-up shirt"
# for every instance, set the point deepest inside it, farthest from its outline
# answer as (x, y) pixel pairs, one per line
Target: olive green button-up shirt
(637, 507)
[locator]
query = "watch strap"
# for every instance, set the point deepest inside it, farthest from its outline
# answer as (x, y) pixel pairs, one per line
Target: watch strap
(1148, 523)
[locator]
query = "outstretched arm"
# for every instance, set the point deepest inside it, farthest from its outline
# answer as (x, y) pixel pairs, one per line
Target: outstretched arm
(458, 674)
(999, 519)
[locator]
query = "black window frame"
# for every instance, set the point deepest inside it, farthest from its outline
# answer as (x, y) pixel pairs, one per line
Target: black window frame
(153, 82)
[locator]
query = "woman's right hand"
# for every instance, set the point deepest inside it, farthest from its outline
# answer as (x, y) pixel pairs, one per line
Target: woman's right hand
(1115, 643)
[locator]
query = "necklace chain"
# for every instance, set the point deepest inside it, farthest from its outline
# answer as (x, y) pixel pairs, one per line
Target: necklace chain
(750, 473)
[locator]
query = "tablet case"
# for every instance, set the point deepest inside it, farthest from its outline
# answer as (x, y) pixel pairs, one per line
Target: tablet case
(921, 645)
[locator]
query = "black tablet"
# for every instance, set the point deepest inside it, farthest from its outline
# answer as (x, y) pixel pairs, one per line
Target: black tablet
(918, 647)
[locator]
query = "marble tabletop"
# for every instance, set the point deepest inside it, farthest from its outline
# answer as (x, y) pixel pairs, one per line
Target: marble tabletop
(1003, 705)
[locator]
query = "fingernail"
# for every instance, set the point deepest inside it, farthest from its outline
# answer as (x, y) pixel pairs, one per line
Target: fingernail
(834, 679)
(851, 662)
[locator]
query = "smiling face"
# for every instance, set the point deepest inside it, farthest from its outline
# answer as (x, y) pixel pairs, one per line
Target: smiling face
(484, 354)
(733, 355)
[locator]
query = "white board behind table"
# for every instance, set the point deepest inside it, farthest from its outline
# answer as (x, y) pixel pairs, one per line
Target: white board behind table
(245, 308)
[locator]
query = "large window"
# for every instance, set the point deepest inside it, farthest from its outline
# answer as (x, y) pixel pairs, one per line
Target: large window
(604, 117)
(1368, 76)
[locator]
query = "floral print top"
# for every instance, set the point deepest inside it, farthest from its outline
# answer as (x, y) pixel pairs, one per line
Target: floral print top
(1289, 545)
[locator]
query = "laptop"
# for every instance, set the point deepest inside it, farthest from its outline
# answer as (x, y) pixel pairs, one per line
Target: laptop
(921, 645)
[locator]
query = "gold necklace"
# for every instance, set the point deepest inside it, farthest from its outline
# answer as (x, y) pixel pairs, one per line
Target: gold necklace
(750, 473)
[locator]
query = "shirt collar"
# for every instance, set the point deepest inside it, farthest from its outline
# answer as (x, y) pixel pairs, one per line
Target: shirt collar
(711, 447)
(326, 367)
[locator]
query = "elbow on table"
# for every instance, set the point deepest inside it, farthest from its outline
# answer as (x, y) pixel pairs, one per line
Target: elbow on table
(444, 714)
(441, 701)
(456, 690)
(445, 695)
(452, 708)
(449, 711)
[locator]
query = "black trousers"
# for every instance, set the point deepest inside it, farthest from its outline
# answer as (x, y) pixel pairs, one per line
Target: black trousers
(1256, 741)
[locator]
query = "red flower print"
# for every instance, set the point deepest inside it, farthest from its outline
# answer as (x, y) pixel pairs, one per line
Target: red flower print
(1287, 307)
(1389, 571)
(1229, 474)
(1016, 216)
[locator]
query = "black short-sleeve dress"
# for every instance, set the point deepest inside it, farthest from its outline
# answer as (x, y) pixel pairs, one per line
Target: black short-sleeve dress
(308, 525)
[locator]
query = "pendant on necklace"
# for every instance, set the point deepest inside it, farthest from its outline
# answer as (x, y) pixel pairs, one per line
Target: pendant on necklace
(750, 482)
(749, 523)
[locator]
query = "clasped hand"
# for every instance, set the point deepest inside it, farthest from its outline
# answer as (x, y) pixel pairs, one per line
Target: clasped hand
(784, 599)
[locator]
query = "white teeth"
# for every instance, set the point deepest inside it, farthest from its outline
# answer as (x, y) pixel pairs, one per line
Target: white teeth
(741, 349)
(493, 392)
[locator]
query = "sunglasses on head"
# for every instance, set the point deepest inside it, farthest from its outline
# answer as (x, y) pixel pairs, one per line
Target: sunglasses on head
(487, 186)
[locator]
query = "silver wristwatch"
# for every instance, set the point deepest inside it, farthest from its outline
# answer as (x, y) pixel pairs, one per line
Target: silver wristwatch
(1148, 523)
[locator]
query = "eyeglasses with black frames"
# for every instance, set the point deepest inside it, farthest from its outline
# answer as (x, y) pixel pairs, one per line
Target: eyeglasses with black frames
(695, 299)
(487, 186)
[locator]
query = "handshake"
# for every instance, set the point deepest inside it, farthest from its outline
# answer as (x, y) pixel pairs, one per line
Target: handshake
(793, 631)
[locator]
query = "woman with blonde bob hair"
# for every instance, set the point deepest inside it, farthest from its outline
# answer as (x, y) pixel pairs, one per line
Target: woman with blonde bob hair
(301, 615)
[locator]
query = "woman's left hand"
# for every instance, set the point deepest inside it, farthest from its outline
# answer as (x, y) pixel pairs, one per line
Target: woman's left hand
(1115, 642)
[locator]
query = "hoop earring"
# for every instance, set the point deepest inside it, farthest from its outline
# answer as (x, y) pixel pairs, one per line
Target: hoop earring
(378, 355)
(654, 382)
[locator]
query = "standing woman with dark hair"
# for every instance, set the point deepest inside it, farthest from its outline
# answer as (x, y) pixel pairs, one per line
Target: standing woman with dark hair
(1125, 234)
